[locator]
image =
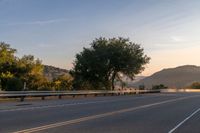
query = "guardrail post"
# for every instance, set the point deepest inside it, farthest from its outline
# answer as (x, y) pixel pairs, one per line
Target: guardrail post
(22, 99)
(60, 96)
(43, 97)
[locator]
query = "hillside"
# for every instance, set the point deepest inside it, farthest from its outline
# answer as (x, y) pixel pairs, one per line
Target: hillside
(52, 72)
(178, 77)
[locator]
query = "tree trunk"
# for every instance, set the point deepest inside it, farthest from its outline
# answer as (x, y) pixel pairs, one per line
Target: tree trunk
(113, 81)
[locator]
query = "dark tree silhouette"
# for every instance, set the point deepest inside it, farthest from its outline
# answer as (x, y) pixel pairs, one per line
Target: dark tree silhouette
(101, 64)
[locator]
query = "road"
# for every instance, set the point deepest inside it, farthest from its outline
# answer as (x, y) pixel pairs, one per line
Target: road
(144, 113)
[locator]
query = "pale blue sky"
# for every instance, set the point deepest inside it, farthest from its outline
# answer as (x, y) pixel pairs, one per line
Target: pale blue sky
(55, 30)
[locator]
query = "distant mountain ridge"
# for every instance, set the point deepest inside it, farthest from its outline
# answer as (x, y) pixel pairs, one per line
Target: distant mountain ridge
(51, 72)
(178, 77)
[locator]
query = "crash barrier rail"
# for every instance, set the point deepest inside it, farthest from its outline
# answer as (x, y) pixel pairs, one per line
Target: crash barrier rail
(24, 94)
(179, 90)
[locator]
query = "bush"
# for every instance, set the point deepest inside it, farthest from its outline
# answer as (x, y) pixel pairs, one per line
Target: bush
(195, 85)
(141, 87)
(63, 82)
(14, 84)
(157, 87)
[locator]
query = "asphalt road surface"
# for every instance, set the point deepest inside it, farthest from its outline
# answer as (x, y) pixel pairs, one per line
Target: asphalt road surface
(146, 113)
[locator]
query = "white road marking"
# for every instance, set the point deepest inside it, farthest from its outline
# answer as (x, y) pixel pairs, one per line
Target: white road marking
(45, 127)
(70, 104)
(182, 122)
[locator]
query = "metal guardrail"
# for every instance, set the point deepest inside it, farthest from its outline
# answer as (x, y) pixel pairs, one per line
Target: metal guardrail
(180, 90)
(23, 94)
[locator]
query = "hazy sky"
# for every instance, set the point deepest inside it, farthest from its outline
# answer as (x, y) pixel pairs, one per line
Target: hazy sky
(55, 30)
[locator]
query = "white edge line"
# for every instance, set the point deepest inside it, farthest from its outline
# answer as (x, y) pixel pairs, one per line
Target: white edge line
(182, 122)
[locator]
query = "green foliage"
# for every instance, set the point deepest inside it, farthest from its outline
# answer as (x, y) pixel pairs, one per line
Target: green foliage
(15, 71)
(97, 67)
(141, 87)
(14, 84)
(6, 54)
(157, 87)
(31, 72)
(195, 85)
(63, 82)
(36, 82)
(43, 84)
(7, 63)
(4, 77)
(26, 69)
(101, 64)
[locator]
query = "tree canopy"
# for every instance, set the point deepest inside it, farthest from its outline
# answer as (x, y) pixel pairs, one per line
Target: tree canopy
(14, 71)
(105, 61)
(7, 64)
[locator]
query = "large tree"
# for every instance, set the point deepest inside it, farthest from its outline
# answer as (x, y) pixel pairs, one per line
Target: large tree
(101, 64)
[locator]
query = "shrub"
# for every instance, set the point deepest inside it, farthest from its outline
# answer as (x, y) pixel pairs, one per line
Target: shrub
(14, 84)
(195, 85)
(157, 87)
(63, 82)
(141, 87)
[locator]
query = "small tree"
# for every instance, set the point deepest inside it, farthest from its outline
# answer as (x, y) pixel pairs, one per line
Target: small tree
(30, 70)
